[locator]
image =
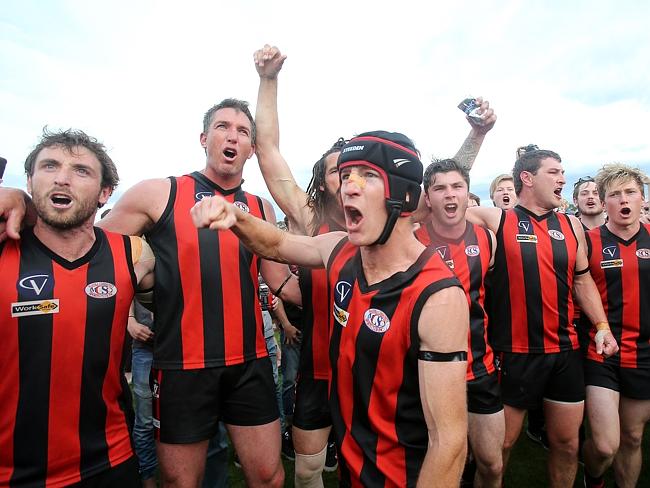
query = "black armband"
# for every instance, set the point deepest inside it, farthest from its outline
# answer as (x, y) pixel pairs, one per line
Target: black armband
(583, 271)
(442, 357)
(279, 290)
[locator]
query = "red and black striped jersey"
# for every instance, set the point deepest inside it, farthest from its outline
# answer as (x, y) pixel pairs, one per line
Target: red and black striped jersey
(469, 258)
(531, 309)
(207, 307)
(66, 407)
(314, 360)
(621, 270)
(375, 399)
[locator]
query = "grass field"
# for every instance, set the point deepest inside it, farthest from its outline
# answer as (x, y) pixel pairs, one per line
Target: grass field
(527, 468)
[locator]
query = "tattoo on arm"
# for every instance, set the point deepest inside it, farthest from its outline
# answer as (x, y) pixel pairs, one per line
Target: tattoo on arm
(468, 152)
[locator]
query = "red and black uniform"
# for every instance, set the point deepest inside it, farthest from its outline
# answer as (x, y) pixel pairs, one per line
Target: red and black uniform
(374, 392)
(66, 407)
(469, 258)
(621, 270)
(311, 408)
(532, 305)
(207, 308)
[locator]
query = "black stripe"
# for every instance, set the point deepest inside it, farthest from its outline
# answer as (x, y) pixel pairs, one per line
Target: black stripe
(214, 344)
(306, 361)
(35, 356)
(169, 303)
(533, 287)
(338, 425)
(614, 281)
(499, 307)
(477, 314)
(97, 347)
(561, 267)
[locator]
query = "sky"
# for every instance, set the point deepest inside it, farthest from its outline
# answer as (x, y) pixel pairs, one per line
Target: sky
(573, 77)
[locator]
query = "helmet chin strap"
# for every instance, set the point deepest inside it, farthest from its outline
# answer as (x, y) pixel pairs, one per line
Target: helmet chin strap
(394, 208)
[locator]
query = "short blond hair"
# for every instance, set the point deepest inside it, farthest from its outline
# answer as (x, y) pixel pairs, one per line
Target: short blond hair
(617, 172)
(496, 181)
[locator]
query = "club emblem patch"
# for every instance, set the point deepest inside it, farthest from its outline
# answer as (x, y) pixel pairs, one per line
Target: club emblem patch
(556, 234)
(242, 206)
(101, 289)
(376, 320)
(472, 250)
(643, 253)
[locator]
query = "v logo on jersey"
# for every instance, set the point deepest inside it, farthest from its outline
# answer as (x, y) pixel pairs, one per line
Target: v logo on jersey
(442, 250)
(343, 289)
(400, 162)
(609, 251)
(524, 225)
(36, 283)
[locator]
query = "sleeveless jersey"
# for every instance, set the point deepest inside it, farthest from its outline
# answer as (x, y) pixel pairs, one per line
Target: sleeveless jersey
(66, 407)
(621, 270)
(534, 267)
(374, 392)
(469, 258)
(314, 360)
(207, 307)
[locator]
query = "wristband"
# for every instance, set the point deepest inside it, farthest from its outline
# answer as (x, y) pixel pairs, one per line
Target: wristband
(279, 290)
(442, 357)
(602, 326)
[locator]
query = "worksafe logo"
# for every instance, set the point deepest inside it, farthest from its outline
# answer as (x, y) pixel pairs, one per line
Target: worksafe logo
(526, 238)
(36, 307)
(340, 315)
(612, 263)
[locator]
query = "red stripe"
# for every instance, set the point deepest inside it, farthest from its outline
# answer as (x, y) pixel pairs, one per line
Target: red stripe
(187, 241)
(117, 434)
(484, 243)
(320, 328)
(548, 285)
(630, 328)
(9, 270)
(385, 141)
(517, 290)
(68, 332)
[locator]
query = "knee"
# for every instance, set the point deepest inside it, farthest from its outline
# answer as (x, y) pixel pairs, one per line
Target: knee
(490, 468)
(309, 467)
(509, 443)
(271, 476)
(605, 448)
(631, 440)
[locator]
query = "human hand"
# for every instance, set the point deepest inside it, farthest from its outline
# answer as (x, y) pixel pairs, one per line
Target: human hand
(138, 331)
(214, 212)
(488, 117)
(268, 61)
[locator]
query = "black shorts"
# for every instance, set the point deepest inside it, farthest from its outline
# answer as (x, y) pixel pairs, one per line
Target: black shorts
(484, 395)
(189, 403)
(124, 475)
(312, 410)
(631, 383)
(527, 379)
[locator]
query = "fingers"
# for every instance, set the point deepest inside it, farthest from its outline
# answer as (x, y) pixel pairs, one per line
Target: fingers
(12, 225)
(268, 60)
(214, 213)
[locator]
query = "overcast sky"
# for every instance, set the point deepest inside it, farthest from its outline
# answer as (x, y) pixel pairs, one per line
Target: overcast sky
(138, 75)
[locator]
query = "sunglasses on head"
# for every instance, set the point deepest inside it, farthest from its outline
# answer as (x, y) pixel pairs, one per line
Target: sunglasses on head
(584, 179)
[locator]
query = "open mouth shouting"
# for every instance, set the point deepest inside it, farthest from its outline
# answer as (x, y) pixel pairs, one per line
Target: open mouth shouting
(230, 154)
(353, 217)
(506, 199)
(626, 211)
(450, 209)
(558, 192)
(60, 200)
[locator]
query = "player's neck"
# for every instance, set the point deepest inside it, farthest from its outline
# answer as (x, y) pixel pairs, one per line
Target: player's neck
(593, 221)
(70, 244)
(449, 232)
(227, 182)
(398, 253)
(625, 232)
(530, 203)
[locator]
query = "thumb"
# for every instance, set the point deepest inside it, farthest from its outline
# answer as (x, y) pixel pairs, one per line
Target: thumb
(599, 345)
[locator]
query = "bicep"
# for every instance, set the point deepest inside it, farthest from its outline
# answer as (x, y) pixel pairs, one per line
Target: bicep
(444, 321)
(138, 209)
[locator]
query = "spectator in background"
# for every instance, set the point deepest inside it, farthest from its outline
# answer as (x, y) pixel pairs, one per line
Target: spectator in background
(502, 192)
(587, 201)
(473, 200)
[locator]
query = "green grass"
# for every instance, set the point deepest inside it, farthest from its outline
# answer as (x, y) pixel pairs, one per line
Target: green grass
(527, 468)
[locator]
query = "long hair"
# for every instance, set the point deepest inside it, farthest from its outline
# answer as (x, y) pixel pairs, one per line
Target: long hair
(318, 199)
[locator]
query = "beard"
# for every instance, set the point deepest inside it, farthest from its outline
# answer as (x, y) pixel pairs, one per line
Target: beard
(72, 218)
(591, 212)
